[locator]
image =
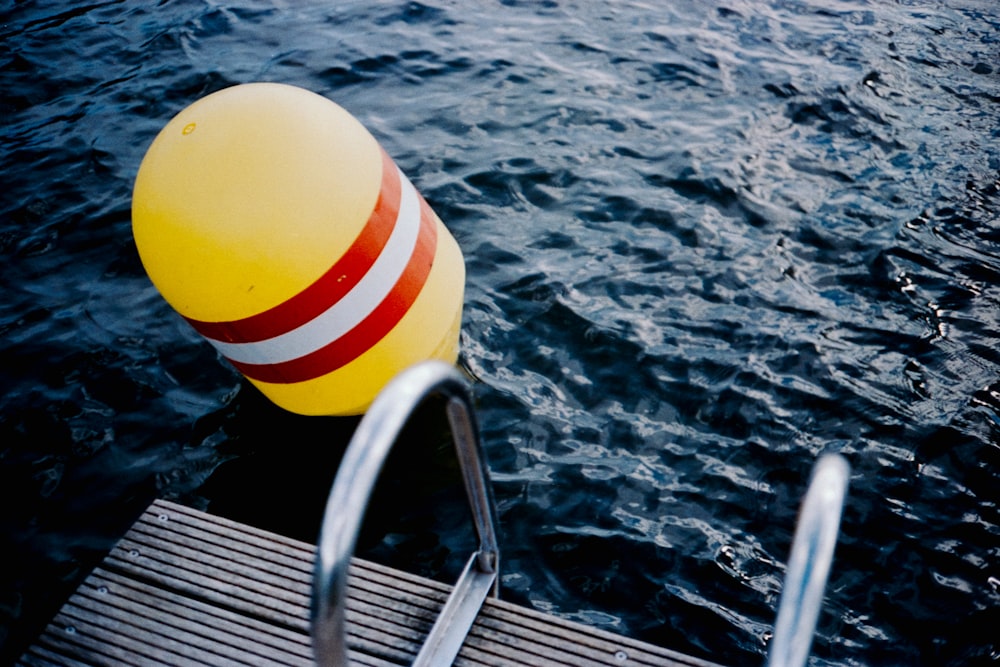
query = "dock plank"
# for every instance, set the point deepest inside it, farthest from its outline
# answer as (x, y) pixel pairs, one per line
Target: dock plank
(184, 587)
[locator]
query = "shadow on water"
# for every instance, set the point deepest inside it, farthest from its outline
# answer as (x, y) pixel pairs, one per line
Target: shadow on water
(278, 469)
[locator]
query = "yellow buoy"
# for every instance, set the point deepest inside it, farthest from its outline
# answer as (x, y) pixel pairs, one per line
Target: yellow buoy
(273, 221)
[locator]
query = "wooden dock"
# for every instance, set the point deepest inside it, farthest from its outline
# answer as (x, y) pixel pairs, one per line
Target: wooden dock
(187, 588)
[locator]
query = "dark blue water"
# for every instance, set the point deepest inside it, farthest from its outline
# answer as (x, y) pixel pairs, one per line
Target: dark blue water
(706, 242)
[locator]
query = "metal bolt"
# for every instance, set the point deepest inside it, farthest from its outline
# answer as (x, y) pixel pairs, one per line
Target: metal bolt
(621, 656)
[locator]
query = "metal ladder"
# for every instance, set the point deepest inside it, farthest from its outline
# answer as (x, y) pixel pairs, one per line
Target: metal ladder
(802, 592)
(809, 562)
(359, 469)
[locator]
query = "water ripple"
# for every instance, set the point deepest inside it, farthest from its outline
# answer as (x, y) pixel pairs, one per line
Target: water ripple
(704, 243)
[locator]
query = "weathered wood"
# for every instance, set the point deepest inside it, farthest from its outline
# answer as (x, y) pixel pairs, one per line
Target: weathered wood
(188, 588)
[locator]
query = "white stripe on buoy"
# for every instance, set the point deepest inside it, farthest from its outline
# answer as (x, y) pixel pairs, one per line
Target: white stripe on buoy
(353, 308)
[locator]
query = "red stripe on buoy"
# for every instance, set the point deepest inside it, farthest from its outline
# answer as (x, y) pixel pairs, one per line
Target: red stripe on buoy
(329, 288)
(370, 330)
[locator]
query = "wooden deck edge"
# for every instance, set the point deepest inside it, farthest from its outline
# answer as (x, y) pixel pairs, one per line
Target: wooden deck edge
(183, 587)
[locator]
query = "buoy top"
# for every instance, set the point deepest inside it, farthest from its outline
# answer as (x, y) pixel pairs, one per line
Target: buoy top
(247, 195)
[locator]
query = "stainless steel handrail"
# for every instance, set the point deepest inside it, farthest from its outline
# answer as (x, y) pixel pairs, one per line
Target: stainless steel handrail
(809, 562)
(348, 499)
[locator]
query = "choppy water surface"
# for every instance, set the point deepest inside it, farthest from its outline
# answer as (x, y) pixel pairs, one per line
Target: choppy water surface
(706, 242)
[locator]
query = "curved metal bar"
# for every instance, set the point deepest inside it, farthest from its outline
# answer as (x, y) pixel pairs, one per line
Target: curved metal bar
(809, 562)
(352, 488)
